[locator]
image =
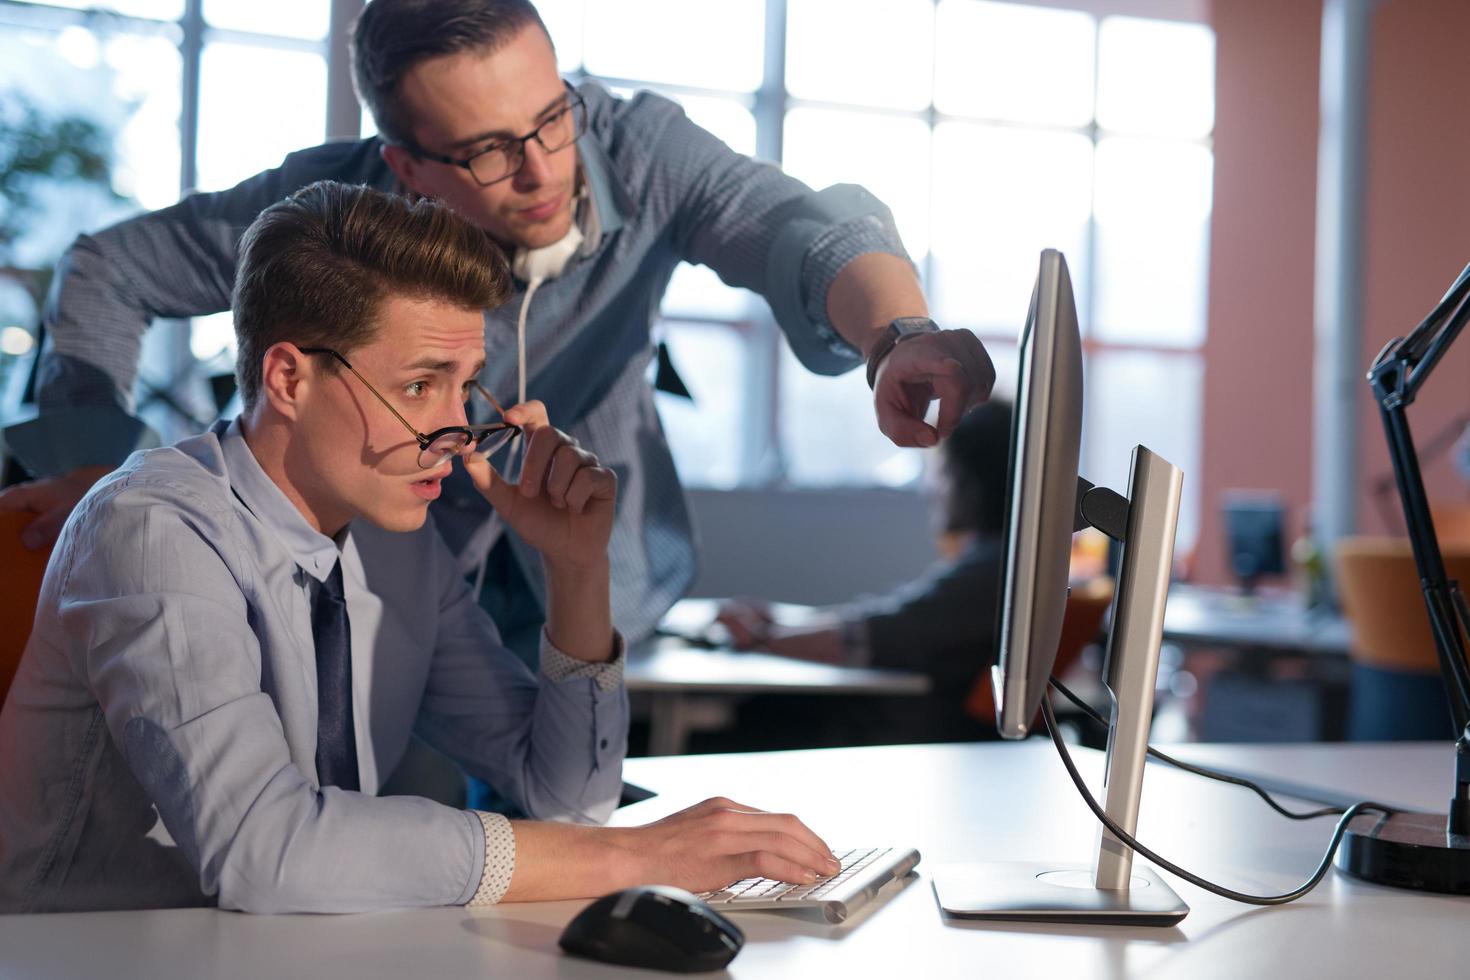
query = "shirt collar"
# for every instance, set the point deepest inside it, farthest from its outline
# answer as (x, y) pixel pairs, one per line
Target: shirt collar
(312, 550)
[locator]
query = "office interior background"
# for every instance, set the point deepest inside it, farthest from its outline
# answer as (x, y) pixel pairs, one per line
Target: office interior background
(1169, 147)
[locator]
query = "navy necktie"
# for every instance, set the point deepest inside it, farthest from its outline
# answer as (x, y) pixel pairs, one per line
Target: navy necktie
(336, 747)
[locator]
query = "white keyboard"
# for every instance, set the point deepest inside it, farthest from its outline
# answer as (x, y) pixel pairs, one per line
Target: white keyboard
(863, 872)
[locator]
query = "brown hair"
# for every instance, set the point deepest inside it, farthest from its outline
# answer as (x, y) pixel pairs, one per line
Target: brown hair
(392, 36)
(314, 269)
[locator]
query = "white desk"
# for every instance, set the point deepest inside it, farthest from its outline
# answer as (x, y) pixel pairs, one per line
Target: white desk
(984, 802)
(674, 676)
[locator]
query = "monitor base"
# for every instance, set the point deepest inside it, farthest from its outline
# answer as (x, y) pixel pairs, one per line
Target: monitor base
(1407, 850)
(1054, 893)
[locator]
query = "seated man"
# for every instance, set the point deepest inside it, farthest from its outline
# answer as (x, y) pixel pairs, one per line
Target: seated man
(237, 634)
(943, 624)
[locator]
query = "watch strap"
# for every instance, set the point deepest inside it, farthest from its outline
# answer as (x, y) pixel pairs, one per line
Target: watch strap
(896, 332)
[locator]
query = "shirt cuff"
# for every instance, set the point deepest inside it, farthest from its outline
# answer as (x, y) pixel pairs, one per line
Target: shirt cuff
(558, 666)
(500, 858)
(829, 255)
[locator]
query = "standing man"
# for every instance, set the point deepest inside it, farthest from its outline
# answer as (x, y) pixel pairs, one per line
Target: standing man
(598, 199)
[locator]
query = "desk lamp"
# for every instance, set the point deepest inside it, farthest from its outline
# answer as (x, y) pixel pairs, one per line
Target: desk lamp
(1423, 850)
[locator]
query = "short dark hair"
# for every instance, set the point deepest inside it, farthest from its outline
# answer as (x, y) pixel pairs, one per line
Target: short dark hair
(392, 36)
(977, 462)
(314, 269)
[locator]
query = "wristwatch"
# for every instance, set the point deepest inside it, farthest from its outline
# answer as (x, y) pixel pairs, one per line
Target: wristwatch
(895, 333)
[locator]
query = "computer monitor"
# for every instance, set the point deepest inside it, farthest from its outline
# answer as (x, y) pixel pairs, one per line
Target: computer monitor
(1048, 502)
(1254, 532)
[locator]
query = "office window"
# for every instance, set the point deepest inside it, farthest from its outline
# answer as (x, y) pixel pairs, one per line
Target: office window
(125, 64)
(1003, 129)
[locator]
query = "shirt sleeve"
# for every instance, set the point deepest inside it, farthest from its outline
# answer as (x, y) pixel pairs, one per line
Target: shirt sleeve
(159, 626)
(759, 228)
(175, 262)
(553, 745)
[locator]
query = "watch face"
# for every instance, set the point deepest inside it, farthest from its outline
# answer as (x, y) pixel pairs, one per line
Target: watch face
(907, 325)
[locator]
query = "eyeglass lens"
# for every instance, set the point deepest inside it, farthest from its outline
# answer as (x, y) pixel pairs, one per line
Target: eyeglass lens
(557, 133)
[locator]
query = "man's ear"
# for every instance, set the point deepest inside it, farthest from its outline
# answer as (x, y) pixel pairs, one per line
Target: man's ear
(404, 166)
(285, 378)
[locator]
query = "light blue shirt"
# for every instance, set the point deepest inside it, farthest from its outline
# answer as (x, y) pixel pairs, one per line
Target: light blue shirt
(171, 675)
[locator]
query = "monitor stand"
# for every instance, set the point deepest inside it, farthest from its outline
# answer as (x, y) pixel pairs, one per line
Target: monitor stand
(1112, 891)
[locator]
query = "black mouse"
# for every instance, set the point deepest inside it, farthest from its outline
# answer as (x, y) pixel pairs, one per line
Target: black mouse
(656, 927)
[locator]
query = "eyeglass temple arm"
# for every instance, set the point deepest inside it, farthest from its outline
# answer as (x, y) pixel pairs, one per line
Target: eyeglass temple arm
(419, 437)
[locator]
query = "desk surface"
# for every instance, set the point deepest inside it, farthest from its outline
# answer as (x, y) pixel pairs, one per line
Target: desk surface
(955, 803)
(1201, 616)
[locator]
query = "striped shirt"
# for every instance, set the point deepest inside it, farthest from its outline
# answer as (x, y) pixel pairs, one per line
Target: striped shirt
(661, 191)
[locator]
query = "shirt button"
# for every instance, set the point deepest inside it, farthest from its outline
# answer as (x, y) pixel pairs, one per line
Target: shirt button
(603, 743)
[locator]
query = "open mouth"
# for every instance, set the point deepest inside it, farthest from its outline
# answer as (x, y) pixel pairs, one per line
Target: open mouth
(430, 487)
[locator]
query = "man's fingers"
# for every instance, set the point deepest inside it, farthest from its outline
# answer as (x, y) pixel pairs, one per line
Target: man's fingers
(591, 483)
(529, 413)
(541, 443)
(566, 463)
(490, 483)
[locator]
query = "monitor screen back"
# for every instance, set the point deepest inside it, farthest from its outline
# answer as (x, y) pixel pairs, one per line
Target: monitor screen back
(1045, 444)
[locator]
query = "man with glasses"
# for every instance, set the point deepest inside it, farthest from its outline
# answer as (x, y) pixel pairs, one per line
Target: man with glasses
(598, 198)
(238, 633)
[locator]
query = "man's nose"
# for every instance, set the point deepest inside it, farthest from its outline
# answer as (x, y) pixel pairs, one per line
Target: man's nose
(535, 167)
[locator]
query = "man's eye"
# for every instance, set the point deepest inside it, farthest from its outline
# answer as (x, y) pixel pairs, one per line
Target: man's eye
(416, 389)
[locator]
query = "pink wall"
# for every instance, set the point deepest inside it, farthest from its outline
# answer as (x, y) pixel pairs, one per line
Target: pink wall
(1418, 218)
(1258, 356)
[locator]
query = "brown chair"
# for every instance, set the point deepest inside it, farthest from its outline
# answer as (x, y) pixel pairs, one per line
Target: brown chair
(1087, 604)
(21, 571)
(1381, 598)
(1451, 524)
(1397, 687)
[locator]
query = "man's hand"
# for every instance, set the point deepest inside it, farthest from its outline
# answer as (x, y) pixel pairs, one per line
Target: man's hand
(707, 846)
(950, 365)
(51, 499)
(719, 841)
(564, 502)
(748, 621)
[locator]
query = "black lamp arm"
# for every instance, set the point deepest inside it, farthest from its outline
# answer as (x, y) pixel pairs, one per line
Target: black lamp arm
(1398, 372)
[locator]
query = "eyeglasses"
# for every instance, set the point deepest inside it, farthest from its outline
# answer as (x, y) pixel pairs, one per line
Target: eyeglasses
(450, 441)
(503, 159)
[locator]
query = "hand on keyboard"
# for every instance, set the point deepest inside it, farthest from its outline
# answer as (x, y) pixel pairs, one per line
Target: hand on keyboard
(719, 841)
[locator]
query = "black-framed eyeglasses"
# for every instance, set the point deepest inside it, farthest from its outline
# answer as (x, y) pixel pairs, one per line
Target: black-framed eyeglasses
(503, 159)
(441, 444)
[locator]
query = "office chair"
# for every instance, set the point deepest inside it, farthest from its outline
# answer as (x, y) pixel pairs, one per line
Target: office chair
(21, 571)
(1397, 690)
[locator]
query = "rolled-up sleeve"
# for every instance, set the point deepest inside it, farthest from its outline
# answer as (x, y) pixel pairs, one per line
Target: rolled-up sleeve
(760, 228)
(159, 626)
(553, 744)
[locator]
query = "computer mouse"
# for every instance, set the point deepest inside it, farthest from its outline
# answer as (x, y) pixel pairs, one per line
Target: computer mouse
(656, 927)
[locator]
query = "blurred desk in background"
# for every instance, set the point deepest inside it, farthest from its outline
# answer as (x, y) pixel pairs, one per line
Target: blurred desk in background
(680, 680)
(1267, 622)
(1283, 671)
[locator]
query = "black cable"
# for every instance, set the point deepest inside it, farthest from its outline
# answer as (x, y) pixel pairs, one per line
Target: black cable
(1193, 879)
(1224, 777)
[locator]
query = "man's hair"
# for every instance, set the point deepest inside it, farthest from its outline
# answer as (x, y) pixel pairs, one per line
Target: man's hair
(392, 36)
(976, 460)
(315, 268)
